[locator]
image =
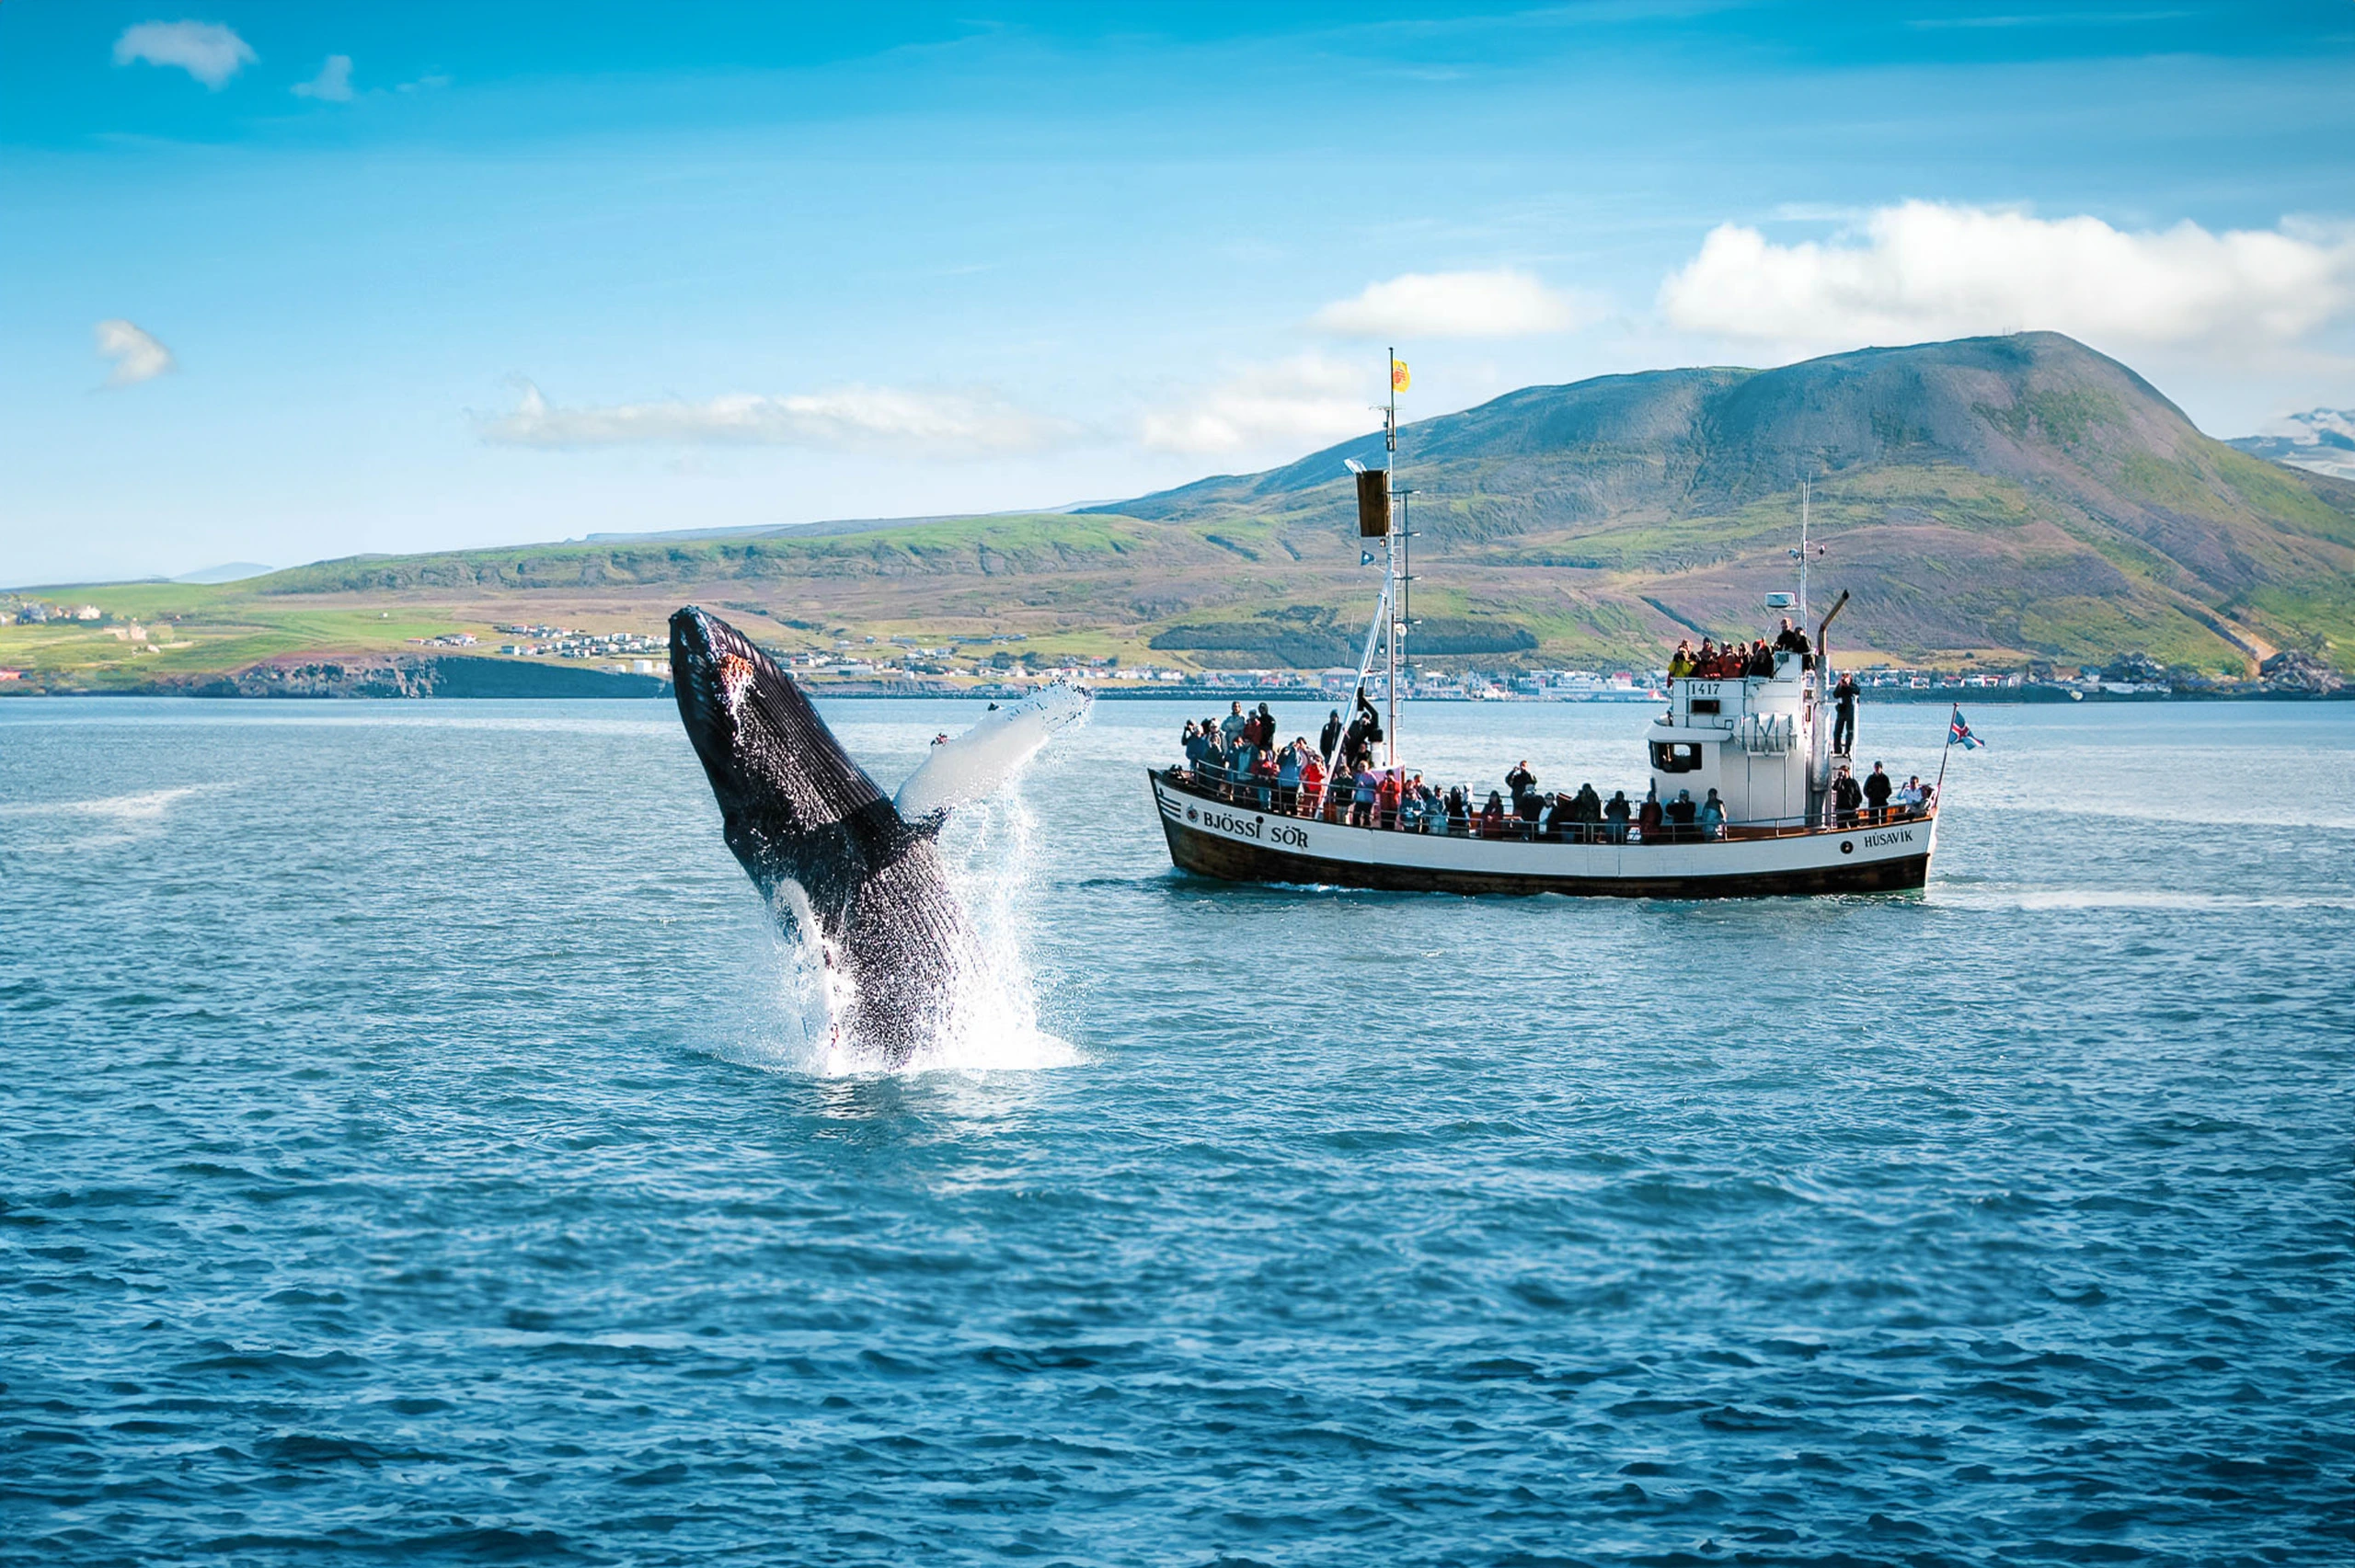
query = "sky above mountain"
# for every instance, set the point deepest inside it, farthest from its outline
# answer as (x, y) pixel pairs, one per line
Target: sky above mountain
(288, 282)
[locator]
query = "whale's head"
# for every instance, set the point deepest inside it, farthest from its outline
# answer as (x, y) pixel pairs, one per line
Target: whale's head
(714, 667)
(795, 807)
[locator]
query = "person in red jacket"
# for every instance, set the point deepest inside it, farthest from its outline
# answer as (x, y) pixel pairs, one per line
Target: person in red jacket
(1312, 784)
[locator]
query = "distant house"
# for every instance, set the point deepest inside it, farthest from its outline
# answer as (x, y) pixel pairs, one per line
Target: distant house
(11, 675)
(89, 613)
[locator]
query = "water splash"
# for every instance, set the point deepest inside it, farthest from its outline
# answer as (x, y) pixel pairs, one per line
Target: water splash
(109, 820)
(991, 1022)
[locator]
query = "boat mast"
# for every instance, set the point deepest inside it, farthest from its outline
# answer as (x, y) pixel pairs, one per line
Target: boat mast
(1390, 573)
(1803, 492)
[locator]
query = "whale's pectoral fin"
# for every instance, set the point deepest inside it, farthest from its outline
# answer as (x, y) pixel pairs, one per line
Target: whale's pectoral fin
(976, 763)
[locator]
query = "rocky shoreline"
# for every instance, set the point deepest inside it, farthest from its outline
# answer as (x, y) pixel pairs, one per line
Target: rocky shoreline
(388, 675)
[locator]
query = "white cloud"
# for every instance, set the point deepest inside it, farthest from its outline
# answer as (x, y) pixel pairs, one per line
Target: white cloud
(1501, 303)
(1309, 398)
(1925, 269)
(877, 418)
(332, 85)
(206, 51)
(137, 356)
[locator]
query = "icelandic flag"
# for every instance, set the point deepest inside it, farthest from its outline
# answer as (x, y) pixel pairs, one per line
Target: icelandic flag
(1958, 734)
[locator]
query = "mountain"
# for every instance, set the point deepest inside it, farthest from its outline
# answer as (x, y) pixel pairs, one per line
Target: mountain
(1997, 499)
(2020, 494)
(2322, 440)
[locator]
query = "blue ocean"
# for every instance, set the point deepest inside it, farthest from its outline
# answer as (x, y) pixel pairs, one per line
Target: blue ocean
(414, 1148)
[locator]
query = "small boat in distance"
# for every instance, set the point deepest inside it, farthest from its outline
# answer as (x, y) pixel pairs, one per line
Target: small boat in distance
(1755, 735)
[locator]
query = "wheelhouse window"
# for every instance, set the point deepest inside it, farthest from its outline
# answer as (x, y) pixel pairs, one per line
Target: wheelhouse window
(1676, 756)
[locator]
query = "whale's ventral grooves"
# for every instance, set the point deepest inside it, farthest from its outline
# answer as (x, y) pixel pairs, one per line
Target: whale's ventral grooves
(794, 807)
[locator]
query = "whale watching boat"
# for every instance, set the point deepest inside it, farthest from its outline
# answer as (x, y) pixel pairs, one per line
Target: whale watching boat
(1762, 741)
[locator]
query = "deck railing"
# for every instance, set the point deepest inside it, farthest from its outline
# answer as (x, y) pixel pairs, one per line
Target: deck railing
(1294, 800)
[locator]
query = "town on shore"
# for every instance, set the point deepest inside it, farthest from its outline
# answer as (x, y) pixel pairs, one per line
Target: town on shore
(998, 666)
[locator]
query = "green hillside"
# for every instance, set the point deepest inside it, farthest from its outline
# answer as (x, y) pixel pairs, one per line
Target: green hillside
(1996, 499)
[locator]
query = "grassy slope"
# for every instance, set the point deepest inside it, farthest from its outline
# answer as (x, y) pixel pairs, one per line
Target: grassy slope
(2000, 498)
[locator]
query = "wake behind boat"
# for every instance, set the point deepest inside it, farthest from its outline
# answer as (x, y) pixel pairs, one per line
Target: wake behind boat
(1751, 789)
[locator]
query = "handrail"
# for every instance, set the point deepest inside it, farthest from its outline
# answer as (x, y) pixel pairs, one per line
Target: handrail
(1516, 828)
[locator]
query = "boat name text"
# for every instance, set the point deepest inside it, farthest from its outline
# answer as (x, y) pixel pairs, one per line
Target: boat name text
(1257, 828)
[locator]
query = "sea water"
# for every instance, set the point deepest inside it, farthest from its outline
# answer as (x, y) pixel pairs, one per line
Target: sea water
(412, 1149)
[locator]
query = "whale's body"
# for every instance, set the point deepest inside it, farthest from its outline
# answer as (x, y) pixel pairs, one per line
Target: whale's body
(825, 846)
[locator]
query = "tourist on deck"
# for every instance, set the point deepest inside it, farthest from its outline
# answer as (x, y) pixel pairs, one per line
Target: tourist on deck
(1459, 811)
(1680, 663)
(1331, 737)
(1520, 782)
(1615, 817)
(1288, 777)
(1648, 816)
(1366, 729)
(1264, 774)
(1267, 727)
(1762, 661)
(1704, 662)
(1385, 798)
(1492, 816)
(1713, 816)
(1530, 806)
(1844, 726)
(1362, 799)
(1877, 787)
(1680, 813)
(1585, 815)
(1193, 747)
(1230, 729)
(1846, 796)
(1209, 756)
(1311, 783)
(1908, 797)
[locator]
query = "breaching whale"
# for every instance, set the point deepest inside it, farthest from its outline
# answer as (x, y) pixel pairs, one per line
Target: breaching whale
(825, 846)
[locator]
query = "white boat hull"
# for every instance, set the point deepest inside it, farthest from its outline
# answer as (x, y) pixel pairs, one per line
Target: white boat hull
(1209, 837)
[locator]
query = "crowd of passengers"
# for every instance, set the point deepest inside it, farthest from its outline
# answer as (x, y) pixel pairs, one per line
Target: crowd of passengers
(1735, 662)
(1238, 759)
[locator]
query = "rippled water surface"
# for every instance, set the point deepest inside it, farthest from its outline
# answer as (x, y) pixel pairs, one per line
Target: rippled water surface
(409, 1147)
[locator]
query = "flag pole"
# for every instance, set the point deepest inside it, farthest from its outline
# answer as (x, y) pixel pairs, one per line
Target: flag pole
(1938, 790)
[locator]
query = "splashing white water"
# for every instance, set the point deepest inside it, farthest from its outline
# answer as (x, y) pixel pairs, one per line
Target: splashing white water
(118, 818)
(991, 1023)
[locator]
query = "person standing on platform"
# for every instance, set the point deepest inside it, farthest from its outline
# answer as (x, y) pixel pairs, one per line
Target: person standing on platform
(1844, 725)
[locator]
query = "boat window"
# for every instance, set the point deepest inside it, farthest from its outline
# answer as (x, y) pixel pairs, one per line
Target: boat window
(1704, 704)
(1676, 756)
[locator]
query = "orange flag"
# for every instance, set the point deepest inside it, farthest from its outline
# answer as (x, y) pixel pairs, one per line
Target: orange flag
(1399, 379)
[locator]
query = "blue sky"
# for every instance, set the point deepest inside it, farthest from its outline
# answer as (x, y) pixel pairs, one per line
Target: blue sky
(287, 282)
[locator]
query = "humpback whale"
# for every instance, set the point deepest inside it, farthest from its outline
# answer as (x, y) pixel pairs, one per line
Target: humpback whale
(834, 856)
